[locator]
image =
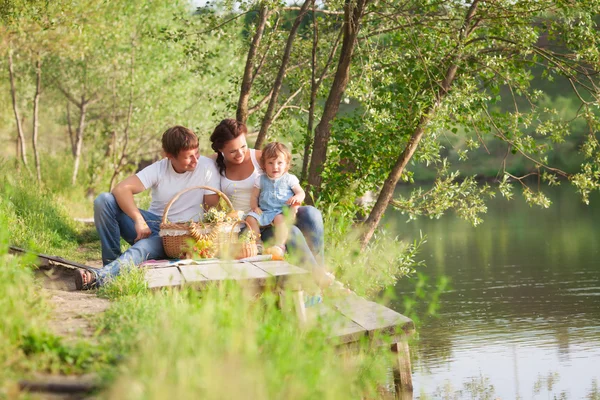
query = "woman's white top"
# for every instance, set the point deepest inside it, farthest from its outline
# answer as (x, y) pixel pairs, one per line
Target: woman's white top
(239, 192)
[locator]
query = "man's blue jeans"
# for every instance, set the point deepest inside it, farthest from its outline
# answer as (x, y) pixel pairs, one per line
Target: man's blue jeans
(306, 238)
(112, 224)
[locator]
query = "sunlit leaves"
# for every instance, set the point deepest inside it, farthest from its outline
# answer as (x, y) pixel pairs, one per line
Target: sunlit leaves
(464, 196)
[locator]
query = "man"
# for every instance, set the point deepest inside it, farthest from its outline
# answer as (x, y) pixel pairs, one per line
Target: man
(116, 214)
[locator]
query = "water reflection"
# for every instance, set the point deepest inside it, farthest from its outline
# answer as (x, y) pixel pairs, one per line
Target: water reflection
(522, 319)
(481, 388)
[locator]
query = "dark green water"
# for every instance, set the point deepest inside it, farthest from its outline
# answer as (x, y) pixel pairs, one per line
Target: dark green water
(522, 317)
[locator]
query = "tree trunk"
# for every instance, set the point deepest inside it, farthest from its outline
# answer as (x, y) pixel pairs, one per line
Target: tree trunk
(79, 139)
(70, 129)
(313, 99)
(36, 100)
(18, 154)
(387, 191)
(353, 14)
(268, 117)
(13, 92)
(123, 158)
(315, 84)
(242, 110)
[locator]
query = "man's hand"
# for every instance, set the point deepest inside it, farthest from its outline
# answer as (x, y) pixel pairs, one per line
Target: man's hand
(142, 229)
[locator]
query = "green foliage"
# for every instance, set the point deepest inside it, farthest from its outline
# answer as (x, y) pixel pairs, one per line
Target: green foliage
(186, 342)
(50, 353)
(500, 114)
(465, 197)
(34, 219)
(373, 269)
(425, 300)
(139, 67)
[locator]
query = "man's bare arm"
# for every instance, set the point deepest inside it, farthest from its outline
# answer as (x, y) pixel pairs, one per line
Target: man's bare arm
(124, 192)
(210, 200)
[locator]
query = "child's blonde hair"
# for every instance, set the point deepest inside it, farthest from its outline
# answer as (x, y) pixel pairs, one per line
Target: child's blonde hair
(273, 150)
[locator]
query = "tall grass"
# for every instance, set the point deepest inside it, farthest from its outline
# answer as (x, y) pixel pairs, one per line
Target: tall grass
(222, 344)
(374, 269)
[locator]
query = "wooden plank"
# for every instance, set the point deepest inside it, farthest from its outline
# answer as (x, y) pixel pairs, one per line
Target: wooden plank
(212, 272)
(280, 268)
(340, 328)
(373, 317)
(193, 273)
(226, 270)
(163, 277)
(246, 271)
(46, 257)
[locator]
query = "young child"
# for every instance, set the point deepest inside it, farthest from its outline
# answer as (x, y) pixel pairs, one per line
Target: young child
(273, 191)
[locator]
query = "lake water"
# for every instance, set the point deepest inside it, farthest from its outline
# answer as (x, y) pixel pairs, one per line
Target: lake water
(521, 319)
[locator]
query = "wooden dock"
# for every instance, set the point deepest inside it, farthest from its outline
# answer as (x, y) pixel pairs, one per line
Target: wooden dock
(349, 319)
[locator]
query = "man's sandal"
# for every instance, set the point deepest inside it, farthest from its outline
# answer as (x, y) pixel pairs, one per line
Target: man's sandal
(85, 280)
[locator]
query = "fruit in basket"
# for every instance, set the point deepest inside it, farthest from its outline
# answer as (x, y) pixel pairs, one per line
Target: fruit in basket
(204, 248)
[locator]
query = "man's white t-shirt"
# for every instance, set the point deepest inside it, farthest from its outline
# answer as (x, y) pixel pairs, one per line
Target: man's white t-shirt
(165, 183)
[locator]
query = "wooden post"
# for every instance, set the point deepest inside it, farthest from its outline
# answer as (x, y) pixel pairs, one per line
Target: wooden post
(402, 372)
(298, 297)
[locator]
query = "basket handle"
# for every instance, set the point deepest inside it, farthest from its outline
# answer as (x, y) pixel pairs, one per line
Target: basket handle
(174, 199)
(233, 229)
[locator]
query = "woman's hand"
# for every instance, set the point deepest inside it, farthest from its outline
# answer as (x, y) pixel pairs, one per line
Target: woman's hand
(295, 200)
(257, 210)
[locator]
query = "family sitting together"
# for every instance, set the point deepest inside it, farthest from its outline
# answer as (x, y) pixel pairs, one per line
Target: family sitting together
(257, 183)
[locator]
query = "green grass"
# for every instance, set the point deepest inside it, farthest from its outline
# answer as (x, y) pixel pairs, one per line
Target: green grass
(39, 221)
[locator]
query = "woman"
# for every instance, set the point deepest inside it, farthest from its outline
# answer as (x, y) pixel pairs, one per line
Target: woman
(238, 166)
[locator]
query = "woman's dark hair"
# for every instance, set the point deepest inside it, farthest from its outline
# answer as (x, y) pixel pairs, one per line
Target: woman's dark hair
(227, 130)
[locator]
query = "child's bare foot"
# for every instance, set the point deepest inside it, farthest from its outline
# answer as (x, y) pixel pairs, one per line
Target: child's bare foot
(326, 281)
(323, 278)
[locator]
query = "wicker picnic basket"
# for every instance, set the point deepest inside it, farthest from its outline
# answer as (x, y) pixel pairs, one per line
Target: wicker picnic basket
(176, 236)
(243, 248)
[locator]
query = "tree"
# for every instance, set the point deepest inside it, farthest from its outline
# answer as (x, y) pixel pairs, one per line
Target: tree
(456, 65)
(353, 14)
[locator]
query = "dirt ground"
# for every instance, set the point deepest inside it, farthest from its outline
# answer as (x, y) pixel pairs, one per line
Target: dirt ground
(72, 318)
(73, 309)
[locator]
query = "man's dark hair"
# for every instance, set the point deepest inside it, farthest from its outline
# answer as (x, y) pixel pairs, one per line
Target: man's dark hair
(178, 138)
